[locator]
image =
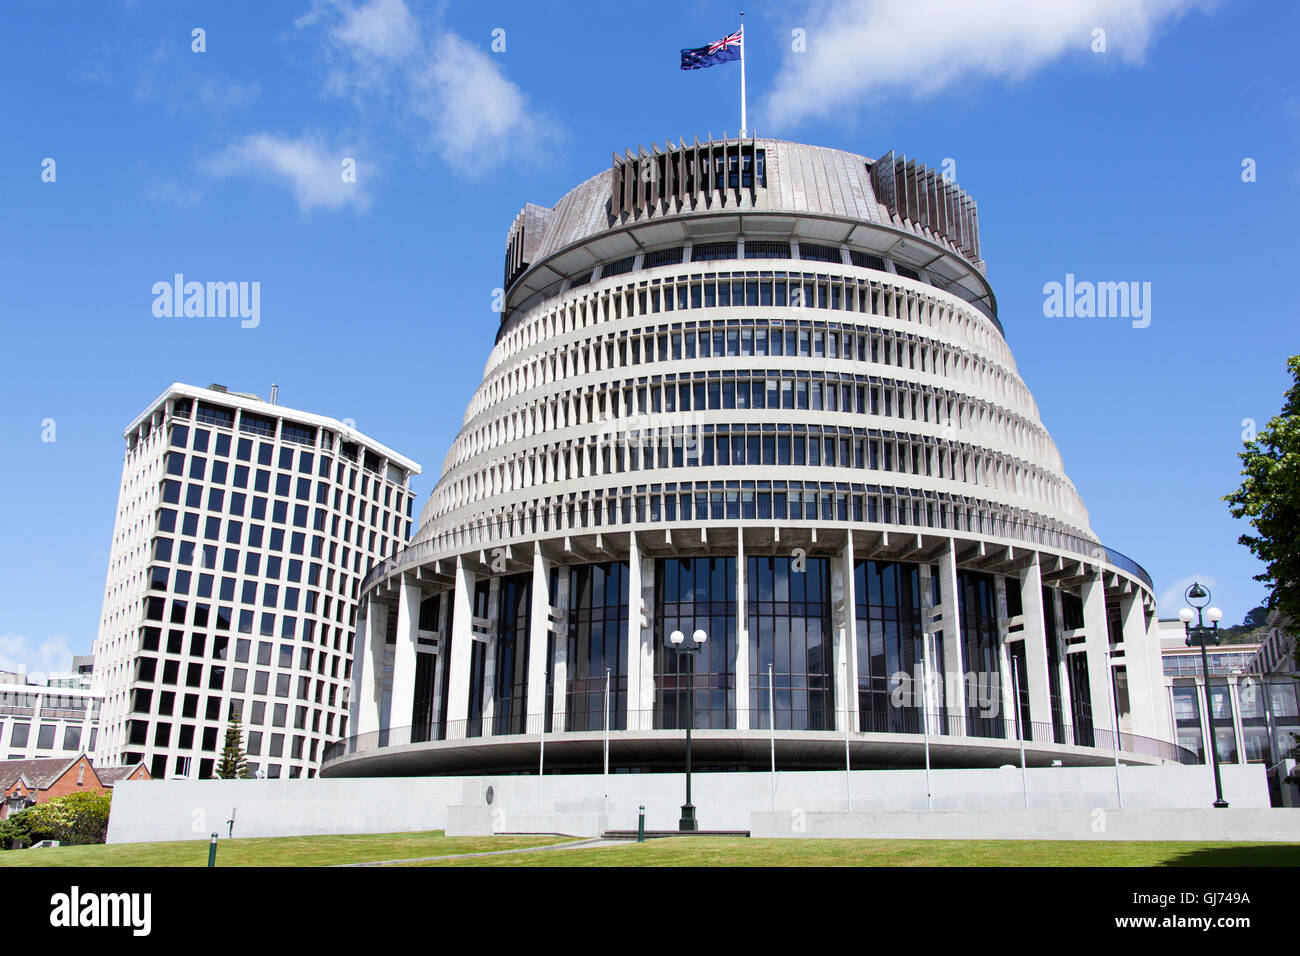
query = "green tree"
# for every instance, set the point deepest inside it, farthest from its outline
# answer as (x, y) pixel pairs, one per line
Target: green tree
(1269, 496)
(234, 762)
(72, 819)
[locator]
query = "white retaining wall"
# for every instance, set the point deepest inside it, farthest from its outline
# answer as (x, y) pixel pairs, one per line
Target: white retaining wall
(193, 809)
(1209, 823)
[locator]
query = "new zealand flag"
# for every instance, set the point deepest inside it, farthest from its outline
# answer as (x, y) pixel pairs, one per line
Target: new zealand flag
(722, 51)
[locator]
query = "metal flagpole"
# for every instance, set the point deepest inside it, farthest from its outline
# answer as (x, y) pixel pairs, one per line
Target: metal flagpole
(606, 721)
(848, 766)
(771, 726)
(925, 727)
(1020, 733)
(743, 125)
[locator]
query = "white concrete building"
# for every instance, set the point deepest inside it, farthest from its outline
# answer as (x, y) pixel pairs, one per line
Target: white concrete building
(1256, 706)
(758, 389)
(40, 720)
(243, 529)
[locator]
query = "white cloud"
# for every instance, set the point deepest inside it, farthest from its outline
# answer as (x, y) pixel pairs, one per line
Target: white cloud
(383, 28)
(475, 111)
(451, 92)
(305, 165)
(24, 655)
(856, 48)
(1172, 599)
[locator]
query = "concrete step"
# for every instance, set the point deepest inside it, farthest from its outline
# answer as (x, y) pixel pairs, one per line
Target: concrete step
(659, 834)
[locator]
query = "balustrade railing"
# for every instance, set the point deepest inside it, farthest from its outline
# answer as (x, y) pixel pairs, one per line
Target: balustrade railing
(940, 725)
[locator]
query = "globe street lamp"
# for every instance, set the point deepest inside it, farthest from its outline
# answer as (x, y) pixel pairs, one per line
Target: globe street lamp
(1198, 597)
(677, 641)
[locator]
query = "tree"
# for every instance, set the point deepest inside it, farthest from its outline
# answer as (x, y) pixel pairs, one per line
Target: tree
(1269, 496)
(234, 762)
(1256, 616)
(76, 818)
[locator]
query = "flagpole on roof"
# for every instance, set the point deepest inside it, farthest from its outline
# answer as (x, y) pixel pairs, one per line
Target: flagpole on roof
(743, 125)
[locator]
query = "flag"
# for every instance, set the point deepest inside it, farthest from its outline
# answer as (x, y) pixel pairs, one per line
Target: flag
(721, 51)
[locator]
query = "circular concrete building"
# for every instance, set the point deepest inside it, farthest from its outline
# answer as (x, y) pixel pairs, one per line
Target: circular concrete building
(759, 390)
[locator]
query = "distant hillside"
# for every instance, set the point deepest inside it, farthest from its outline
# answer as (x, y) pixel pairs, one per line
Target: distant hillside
(1242, 634)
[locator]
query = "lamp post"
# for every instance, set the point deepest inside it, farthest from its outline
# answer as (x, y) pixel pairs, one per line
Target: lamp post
(1198, 597)
(677, 641)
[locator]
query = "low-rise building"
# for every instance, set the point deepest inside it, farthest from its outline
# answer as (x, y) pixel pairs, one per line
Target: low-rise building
(26, 783)
(1255, 706)
(47, 721)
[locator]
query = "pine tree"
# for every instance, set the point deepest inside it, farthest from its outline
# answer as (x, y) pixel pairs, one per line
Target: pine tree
(234, 762)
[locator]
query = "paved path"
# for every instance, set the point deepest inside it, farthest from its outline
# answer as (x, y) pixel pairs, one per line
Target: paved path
(573, 845)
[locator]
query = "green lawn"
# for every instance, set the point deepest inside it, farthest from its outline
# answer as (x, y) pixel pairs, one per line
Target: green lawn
(277, 851)
(673, 851)
(738, 851)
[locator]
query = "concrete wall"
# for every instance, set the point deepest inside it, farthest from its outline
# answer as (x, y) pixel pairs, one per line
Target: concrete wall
(1207, 823)
(193, 809)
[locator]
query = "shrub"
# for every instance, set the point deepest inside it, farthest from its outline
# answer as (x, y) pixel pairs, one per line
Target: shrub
(76, 818)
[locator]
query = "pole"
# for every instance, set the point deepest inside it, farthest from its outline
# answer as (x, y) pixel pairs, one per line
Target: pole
(743, 125)
(925, 729)
(848, 792)
(1209, 712)
(541, 750)
(771, 727)
(212, 851)
(1020, 733)
(607, 721)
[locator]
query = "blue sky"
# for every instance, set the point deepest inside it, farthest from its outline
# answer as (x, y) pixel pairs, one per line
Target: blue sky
(1122, 165)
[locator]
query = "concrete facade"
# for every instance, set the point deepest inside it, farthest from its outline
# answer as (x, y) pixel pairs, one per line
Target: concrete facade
(37, 720)
(750, 352)
(183, 810)
(242, 531)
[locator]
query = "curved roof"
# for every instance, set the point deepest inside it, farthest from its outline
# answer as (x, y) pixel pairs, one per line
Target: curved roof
(656, 198)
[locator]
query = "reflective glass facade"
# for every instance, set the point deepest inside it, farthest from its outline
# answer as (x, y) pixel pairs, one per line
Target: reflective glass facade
(695, 594)
(887, 596)
(788, 615)
(597, 642)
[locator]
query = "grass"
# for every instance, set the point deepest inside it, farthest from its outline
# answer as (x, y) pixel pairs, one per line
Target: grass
(738, 851)
(672, 851)
(274, 851)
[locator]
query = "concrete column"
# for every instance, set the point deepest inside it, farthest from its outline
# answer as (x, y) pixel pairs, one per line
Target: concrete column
(848, 650)
(1096, 646)
(1035, 638)
(929, 699)
(369, 657)
(402, 704)
(1137, 665)
(441, 662)
(1162, 714)
(462, 637)
(632, 634)
(742, 638)
(638, 640)
(561, 671)
(1057, 611)
(954, 676)
(490, 655)
(539, 630)
(1006, 682)
(646, 648)
(1234, 704)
